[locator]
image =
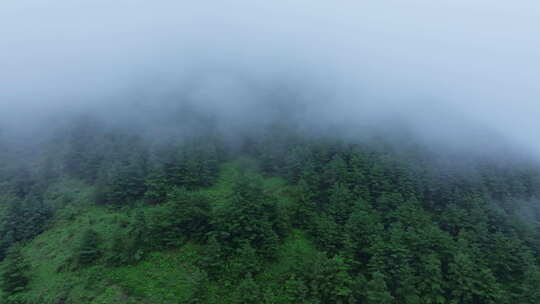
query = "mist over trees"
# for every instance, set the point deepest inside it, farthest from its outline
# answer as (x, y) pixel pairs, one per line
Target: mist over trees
(269, 152)
(456, 73)
(366, 221)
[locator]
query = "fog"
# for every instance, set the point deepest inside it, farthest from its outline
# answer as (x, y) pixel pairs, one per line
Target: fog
(454, 72)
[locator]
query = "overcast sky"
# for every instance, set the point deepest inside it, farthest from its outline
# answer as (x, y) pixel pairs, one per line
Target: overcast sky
(443, 66)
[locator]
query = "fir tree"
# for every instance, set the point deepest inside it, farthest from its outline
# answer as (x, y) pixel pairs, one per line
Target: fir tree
(13, 277)
(377, 290)
(87, 252)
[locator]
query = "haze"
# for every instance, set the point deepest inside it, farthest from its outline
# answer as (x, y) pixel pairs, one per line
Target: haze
(452, 71)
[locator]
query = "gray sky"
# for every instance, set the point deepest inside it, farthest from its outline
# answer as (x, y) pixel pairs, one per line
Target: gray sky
(445, 67)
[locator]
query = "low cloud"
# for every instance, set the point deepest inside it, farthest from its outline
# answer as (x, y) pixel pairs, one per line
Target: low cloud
(454, 72)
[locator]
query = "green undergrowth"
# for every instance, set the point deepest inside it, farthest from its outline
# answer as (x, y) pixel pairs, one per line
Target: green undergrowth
(168, 276)
(163, 277)
(50, 256)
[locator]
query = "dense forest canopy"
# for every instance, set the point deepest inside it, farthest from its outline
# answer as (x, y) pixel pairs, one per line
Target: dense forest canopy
(244, 151)
(275, 214)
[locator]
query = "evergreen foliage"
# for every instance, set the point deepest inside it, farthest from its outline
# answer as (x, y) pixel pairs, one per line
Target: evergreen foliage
(13, 278)
(276, 217)
(88, 251)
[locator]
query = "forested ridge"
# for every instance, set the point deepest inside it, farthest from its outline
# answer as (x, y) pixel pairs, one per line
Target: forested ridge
(93, 214)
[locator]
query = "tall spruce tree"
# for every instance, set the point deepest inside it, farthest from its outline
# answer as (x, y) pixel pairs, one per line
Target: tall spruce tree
(13, 277)
(88, 250)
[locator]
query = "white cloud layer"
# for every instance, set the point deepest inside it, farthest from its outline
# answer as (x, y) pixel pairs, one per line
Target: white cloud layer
(445, 67)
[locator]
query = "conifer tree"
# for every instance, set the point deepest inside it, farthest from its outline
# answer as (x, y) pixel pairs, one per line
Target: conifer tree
(139, 236)
(13, 277)
(377, 291)
(306, 207)
(295, 290)
(87, 251)
(156, 187)
(119, 253)
(248, 291)
(336, 171)
(340, 203)
(358, 176)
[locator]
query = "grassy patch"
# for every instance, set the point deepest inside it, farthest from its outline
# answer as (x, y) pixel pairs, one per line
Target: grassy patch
(50, 257)
(162, 277)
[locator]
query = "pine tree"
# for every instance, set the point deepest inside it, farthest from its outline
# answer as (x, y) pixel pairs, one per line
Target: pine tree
(469, 280)
(119, 253)
(13, 278)
(126, 180)
(186, 216)
(431, 285)
(334, 281)
(23, 220)
(341, 203)
(305, 209)
(358, 176)
(295, 290)
(335, 172)
(312, 180)
(6, 241)
(358, 287)
(530, 293)
(248, 291)
(245, 260)
(248, 217)
(199, 292)
(377, 291)
(139, 236)
(379, 182)
(294, 161)
(363, 229)
(156, 187)
(327, 234)
(88, 251)
(213, 259)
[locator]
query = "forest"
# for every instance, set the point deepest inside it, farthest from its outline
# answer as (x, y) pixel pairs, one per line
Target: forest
(269, 152)
(102, 214)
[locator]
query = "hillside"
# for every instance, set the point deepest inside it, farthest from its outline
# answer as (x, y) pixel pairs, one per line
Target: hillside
(276, 218)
